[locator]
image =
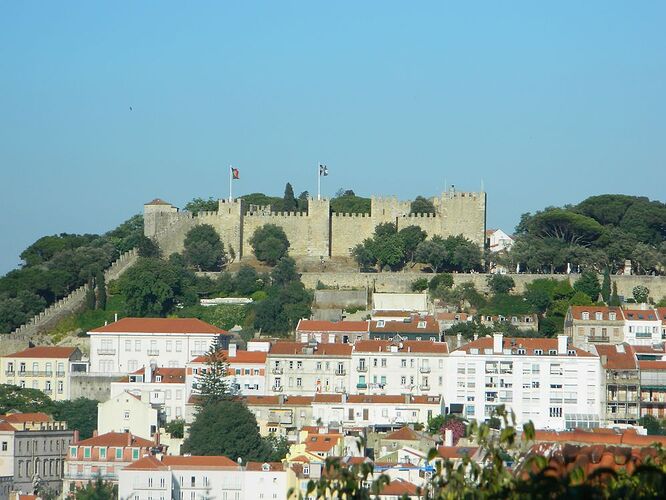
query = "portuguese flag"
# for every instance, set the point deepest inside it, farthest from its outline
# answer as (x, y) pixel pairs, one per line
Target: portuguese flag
(235, 174)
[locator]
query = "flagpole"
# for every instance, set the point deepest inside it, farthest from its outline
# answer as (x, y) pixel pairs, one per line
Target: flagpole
(318, 181)
(230, 183)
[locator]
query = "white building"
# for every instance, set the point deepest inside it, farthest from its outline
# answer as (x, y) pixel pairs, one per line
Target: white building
(164, 388)
(497, 240)
(296, 368)
(642, 326)
(130, 343)
(126, 412)
(247, 370)
(406, 367)
(414, 302)
(543, 380)
(196, 477)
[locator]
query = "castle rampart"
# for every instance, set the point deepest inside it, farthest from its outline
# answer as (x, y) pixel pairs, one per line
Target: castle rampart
(317, 232)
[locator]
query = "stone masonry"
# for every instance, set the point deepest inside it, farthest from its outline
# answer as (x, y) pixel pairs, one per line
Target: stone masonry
(317, 233)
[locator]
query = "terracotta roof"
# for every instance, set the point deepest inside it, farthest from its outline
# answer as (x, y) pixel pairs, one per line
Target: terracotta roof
(641, 315)
(19, 418)
(447, 316)
(619, 357)
(169, 375)
(416, 346)
(275, 400)
(159, 325)
(249, 357)
(327, 398)
(431, 326)
(292, 348)
(648, 349)
(146, 463)
(116, 439)
(528, 343)
(394, 314)
(259, 466)
(628, 437)
(577, 312)
(399, 487)
(44, 352)
(454, 452)
(300, 458)
(25, 496)
(6, 426)
(195, 462)
(661, 312)
(309, 325)
(157, 201)
(652, 365)
(321, 442)
(404, 434)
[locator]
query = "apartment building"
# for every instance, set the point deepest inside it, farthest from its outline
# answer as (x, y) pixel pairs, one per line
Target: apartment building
(653, 384)
(415, 327)
(128, 344)
(46, 368)
(331, 332)
(398, 367)
(196, 477)
(103, 455)
(281, 415)
(128, 412)
(247, 371)
(621, 383)
(554, 385)
(522, 322)
(33, 445)
(642, 326)
(164, 388)
(297, 368)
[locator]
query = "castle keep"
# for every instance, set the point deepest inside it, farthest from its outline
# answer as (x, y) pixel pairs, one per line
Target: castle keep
(318, 232)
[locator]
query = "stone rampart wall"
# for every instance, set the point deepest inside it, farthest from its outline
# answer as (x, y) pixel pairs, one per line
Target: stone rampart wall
(342, 299)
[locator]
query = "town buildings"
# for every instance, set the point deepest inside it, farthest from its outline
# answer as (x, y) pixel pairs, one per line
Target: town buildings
(130, 343)
(415, 327)
(621, 383)
(498, 241)
(331, 332)
(128, 412)
(46, 368)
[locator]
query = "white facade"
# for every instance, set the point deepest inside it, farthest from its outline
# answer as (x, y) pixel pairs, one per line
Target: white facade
(542, 380)
(417, 302)
(130, 343)
(497, 240)
(126, 412)
(642, 326)
(409, 367)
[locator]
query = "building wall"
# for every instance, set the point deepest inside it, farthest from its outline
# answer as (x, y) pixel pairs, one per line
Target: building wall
(47, 459)
(126, 413)
(316, 374)
(49, 375)
(91, 385)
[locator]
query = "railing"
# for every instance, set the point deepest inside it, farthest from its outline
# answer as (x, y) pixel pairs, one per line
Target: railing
(196, 352)
(339, 389)
(60, 374)
(362, 369)
(598, 338)
(153, 352)
(9, 373)
(106, 352)
(277, 371)
(48, 391)
(424, 387)
(425, 369)
(361, 386)
(340, 373)
(277, 388)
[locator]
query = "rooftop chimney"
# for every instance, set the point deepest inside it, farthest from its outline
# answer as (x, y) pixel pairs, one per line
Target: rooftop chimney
(498, 340)
(115, 317)
(129, 439)
(76, 436)
(95, 433)
(562, 344)
(448, 437)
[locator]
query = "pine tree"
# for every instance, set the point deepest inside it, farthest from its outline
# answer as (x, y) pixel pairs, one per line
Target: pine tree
(614, 298)
(213, 384)
(101, 291)
(290, 203)
(606, 286)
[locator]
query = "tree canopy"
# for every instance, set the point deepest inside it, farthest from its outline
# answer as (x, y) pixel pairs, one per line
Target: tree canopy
(269, 243)
(204, 250)
(421, 205)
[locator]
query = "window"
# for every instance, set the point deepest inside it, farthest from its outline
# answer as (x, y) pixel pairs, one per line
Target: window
(380, 323)
(299, 365)
(585, 315)
(127, 415)
(102, 453)
(612, 316)
(4, 446)
(179, 394)
(179, 345)
(49, 369)
(403, 380)
(555, 412)
(10, 367)
(538, 352)
(119, 453)
(299, 382)
(86, 452)
(22, 368)
(383, 362)
(128, 345)
(72, 451)
(135, 453)
(403, 363)
(169, 345)
(598, 316)
(137, 345)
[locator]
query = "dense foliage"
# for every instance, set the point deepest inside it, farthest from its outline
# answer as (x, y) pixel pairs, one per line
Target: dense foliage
(204, 251)
(597, 234)
(346, 202)
(269, 243)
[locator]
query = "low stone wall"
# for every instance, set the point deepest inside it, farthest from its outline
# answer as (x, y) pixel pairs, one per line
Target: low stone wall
(328, 299)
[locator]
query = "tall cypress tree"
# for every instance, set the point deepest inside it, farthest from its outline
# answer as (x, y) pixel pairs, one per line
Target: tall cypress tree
(606, 286)
(90, 295)
(290, 203)
(101, 290)
(614, 298)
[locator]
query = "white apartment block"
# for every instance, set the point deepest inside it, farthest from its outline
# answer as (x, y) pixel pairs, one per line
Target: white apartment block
(296, 368)
(197, 477)
(164, 388)
(543, 380)
(404, 367)
(246, 375)
(127, 412)
(130, 343)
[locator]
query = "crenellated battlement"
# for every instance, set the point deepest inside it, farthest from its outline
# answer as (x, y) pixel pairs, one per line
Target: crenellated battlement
(318, 232)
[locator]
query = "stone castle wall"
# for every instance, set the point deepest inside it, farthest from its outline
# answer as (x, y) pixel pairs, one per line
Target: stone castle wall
(318, 232)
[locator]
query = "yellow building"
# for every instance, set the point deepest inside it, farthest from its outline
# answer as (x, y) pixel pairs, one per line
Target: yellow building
(46, 368)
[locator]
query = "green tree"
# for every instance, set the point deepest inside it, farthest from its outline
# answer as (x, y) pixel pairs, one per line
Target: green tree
(97, 490)
(363, 255)
(606, 286)
(444, 280)
(247, 281)
(90, 295)
(213, 383)
(147, 247)
(388, 251)
(204, 250)
(151, 287)
(269, 243)
(284, 272)
(411, 237)
(226, 428)
(588, 283)
(290, 203)
(385, 229)
(500, 283)
(641, 294)
(580, 299)
(80, 414)
(13, 397)
(303, 201)
(349, 203)
(202, 205)
(100, 281)
(421, 205)
(614, 298)
(433, 253)
(652, 425)
(420, 284)
(176, 428)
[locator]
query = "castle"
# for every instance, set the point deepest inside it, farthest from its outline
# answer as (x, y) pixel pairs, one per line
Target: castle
(317, 233)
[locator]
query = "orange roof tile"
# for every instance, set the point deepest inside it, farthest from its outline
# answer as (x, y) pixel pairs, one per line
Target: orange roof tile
(296, 348)
(628, 437)
(259, 466)
(404, 434)
(454, 452)
(448, 316)
(16, 418)
(321, 442)
(652, 365)
(399, 488)
(44, 352)
(327, 398)
(415, 346)
(6, 426)
(391, 399)
(160, 325)
(146, 463)
(618, 359)
(661, 312)
(310, 325)
(528, 343)
(157, 201)
(431, 326)
(194, 462)
(275, 400)
(577, 312)
(641, 315)
(116, 439)
(168, 375)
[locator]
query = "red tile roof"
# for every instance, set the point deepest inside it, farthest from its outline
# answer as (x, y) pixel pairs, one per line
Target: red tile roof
(169, 375)
(275, 400)
(6, 426)
(652, 365)
(416, 346)
(116, 439)
(661, 312)
(327, 398)
(431, 326)
(528, 343)
(455, 452)
(16, 418)
(157, 201)
(391, 399)
(404, 434)
(321, 442)
(183, 463)
(447, 316)
(244, 357)
(394, 314)
(628, 437)
(44, 352)
(309, 325)
(577, 312)
(618, 359)
(295, 348)
(160, 325)
(259, 466)
(399, 488)
(641, 315)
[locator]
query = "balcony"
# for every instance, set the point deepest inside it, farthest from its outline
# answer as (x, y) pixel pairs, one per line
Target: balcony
(48, 391)
(277, 371)
(60, 374)
(339, 389)
(196, 352)
(361, 386)
(340, 373)
(424, 369)
(424, 387)
(362, 368)
(598, 338)
(10, 373)
(153, 352)
(277, 388)
(106, 352)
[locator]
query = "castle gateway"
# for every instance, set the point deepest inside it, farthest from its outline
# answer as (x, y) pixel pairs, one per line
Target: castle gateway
(317, 233)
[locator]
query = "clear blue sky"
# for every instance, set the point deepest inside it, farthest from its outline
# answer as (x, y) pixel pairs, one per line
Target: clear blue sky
(546, 103)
